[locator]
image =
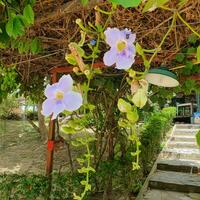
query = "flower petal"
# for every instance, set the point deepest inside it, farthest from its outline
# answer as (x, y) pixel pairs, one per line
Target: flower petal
(73, 101)
(129, 36)
(124, 62)
(50, 90)
(112, 36)
(65, 83)
(47, 107)
(58, 108)
(110, 57)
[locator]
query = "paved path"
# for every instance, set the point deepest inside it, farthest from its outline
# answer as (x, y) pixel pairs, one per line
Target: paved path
(177, 176)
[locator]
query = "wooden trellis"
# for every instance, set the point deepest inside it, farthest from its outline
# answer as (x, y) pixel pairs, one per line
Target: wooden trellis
(51, 133)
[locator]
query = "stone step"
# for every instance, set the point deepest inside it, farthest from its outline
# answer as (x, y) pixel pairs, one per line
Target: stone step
(189, 160)
(179, 138)
(178, 166)
(176, 153)
(175, 181)
(187, 133)
(187, 126)
(191, 130)
(176, 144)
(170, 195)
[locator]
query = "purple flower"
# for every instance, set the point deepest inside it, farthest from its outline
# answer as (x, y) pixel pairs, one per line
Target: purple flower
(122, 51)
(93, 42)
(60, 97)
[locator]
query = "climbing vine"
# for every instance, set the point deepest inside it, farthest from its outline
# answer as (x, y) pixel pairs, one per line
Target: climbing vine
(118, 47)
(121, 52)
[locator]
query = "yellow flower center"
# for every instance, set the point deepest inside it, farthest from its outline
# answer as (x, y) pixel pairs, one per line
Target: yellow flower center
(121, 45)
(59, 95)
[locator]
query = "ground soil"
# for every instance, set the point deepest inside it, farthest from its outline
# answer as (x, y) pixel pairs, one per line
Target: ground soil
(22, 150)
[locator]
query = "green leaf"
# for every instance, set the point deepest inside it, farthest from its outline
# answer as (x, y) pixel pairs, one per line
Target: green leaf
(140, 98)
(123, 123)
(80, 160)
(82, 41)
(191, 50)
(124, 106)
(9, 27)
(84, 182)
(28, 14)
(84, 2)
(192, 39)
(189, 65)
(15, 27)
(76, 197)
(21, 47)
(68, 130)
(127, 3)
(198, 54)
(139, 49)
(180, 57)
(2, 45)
(132, 116)
(78, 48)
(18, 27)
(35, 46)
(198, 138)
(70, 59)
(153, 4)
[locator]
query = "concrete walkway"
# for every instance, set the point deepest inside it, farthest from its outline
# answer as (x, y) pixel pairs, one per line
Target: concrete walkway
(177, 174)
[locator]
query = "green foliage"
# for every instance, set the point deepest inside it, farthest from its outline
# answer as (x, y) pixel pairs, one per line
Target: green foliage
(34, 88)
(191, 67)
(153, 4)
(152, 134)
(33, 187)
(198, 138)
(84, 2)
(127, 3)
(14, 27)
(8, 81)
(198, 54)
(75, 126)
(124, 106)
(192, 39)
(17, 23)
(28, 14)
(17, 17)
(8, 107)
(180, 57)
(32, 115)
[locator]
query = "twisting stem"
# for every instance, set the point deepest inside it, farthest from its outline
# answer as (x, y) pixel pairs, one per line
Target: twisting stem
(87, 173)
(188, 25)
(165, 36)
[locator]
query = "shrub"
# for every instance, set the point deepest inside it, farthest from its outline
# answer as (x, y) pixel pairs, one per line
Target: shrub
(152, 134)
(32, 115)
(8, 108)
(33, 187)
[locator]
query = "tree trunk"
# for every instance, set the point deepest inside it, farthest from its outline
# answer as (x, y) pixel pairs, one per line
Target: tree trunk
(41, 122)
(109, 185)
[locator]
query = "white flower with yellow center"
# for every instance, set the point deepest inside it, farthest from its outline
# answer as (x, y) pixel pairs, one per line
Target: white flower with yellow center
(60, 97)
(122, 51)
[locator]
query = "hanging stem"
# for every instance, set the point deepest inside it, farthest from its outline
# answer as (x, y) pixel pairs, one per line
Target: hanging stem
(87, 173)
(188, 25)
(165, 36)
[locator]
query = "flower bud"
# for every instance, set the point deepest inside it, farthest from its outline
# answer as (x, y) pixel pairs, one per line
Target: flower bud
(87, 72)
(75, 69)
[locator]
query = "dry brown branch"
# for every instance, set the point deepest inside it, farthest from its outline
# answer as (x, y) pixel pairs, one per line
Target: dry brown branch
(67, 8)
(55, 26)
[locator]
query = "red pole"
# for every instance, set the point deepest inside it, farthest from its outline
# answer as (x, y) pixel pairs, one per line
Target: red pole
(51, 138)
